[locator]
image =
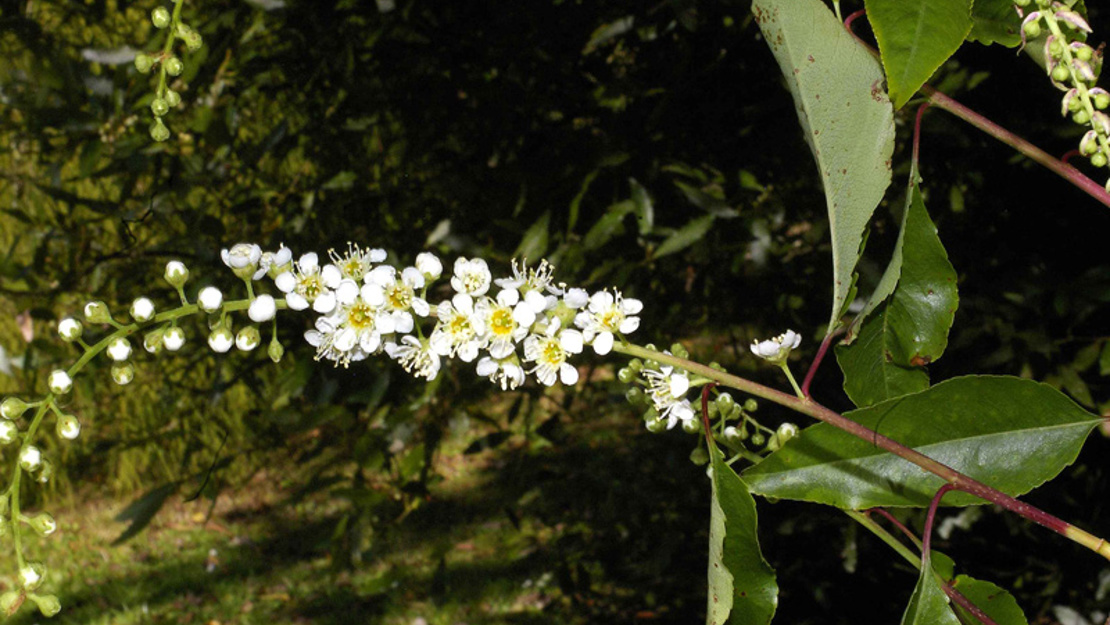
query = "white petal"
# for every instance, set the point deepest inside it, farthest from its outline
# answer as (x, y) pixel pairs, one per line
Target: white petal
(296, 301)
(508, 297)
(524, 315)
(331, 276)
(463, 303)
(345, 339)
(629, 325)
(679, 384)
(347, 292)
(308, 263)
(568, 374)
(372, 294)
(571, 341)
(381, 276)
(376, 255)
(421, 307)
(536, 301)
(403, 323)
(631, 306)
(384, 323)
(314, 338)
(413, 277)
(370, 341)
(468, 351)
(603, 344)
(576, 298)
(286, 282)
(501, 349)
(601, 301)
(487, 367)
(325, 303)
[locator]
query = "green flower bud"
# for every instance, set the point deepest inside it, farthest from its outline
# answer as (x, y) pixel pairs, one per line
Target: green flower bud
(732, 436)
(43, 523)
(634, 395)
(9, 432)
(679, 350)
(159, 107)
(1055, 48)
(1098, 159)
(774, 443)
(786, 432)
(248, 338)
(699, 456)
(750, 405)
(1032, 29)
(193, 41)
(46, 473)
(143, 63)
(691, 426)
(758, 439)
(152, 341)
(636, 365)
(97, 312)
(1084, 52)
(176, 274)
(174, 66)
(160, 17)
(123, 373)
(10, 602)
(173, 98)
(70, 329)
(725, 403)
(656, 425)
(716, 366)
(1081, 117)
(48, 604)
(68, 427)
(13, 408)
(626, 375)
(31, 575)
(158, 130)
(275, 351)
(1060, 73)
(1022, 3)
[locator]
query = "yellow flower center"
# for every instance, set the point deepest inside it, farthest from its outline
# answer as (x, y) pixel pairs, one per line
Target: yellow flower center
(552, 353)
(399, 296)
(310, 287)
(360, 316)
(501, 322)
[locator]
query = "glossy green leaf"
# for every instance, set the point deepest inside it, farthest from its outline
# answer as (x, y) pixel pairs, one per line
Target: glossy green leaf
(928, 604)
(995, 21)
(742, 586)
(870, 374)
(645, 208)
(911, 328)
(684, 237)
(534, 243)
(1009, 433)
(845, 115)
(915, 37)
(995, 602)
(608, 226)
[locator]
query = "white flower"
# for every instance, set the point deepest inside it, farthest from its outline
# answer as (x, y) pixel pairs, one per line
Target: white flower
(119, 349)
(262, 309)
(356, 263)
(354, 330)
(276, 263)
(576, 298)
(429, 265)
(459, 331)
(471, 276)
(59, 382)
(399, 295)
(243, 259)
(173, 339)
(550, 351)
(608, 314)
(308, 284)
(142, 309)
(503, 331)
(505, 372)
(415, 356)
(70, 329)
(777, 349)
(210, 299)
(535, 279)
(68, 427)
(221, 340)
(667, 389)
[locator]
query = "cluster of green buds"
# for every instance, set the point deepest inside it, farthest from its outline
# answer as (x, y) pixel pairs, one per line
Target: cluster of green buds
(1073, 66)
(167, 62)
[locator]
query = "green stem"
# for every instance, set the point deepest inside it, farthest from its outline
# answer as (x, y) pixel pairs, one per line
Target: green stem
(790, 376)
(811, 408)
(878, 530)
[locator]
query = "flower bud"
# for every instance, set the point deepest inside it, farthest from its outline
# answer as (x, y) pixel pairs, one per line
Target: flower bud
(30, 458)
(59, 382)
(699, 456)
(732, 435)
(725, 403)
(221, 340)
(173, 98)
(68, 427)
(1081, 117)
(142, 309)
(751, 405)
(176, 274)
(758, 439)
(159, 106)
(46, 472)
(656, 425)
(786, 432)
(429, 265)
(262, 309)
(143, 63)
(1060, 73)
(210, 299)
(1085, 71)
(1088, 145)
(122, 374)
(275, 351)
(152, 341)
(248, 339)
(48, 604)
(174, 67)
(1082, 51)
(10, 602)
(626, 375)
(9, 432)
(31, 574)
(193, 41)
(43, 523)
(1098, 159)
(1070, 103)
(1032, 27)
(634, 395)
(97, 312)
(173, 338)
(158, 130)
(160, 17)
(70, 329)
(1100, 97)
(243, 259)
(13, 408)
(1101, 122)
(691, 426)
(119, 349)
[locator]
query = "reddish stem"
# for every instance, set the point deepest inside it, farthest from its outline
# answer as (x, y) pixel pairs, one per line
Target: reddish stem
(705, 412)
(1066, 158)
(901, 526)
(927, 535)
(821, 351)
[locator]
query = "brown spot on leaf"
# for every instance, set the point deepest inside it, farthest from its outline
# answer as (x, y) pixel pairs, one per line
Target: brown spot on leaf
(920, 361)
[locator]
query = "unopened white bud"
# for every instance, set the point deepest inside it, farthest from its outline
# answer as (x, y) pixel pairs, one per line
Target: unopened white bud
(68, 427)
(9, 432)
(30, 458)
(43, 523)
(70, 329)
(429, 265)
(13, 408)
(262, 309)
(119, 349)
(221, 340)
(275, 351)
(177, 274)
(173, 339)
(31, 574)
(97, 312)
(142, 309)
(59, 382)
(248, 339)
(210, 299)
(152, 341)
(122, 374)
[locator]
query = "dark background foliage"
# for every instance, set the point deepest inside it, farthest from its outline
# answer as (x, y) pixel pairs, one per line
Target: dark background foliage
(539, 129)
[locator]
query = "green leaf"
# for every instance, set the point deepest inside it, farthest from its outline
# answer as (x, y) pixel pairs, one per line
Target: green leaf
(684, 237)
(915, 37)
(534, 243)
(742, 586)
(870, 373)
(1104, 359)
(995, 21)
(929, 604)
(1009, 433)
(992, 600)
(608, 226)
(645, 209)
(845, 115)
(576, 202)
(911, 329)
(142, 510)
